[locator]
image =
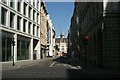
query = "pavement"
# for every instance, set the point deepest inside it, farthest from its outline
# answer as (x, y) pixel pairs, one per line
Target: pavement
(90, 69)
(22, 63)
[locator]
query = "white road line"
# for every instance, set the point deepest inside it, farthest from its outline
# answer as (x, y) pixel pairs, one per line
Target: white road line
(65, 65)
(79, 67)
(75, 67)
(52, 64)
(69, 65)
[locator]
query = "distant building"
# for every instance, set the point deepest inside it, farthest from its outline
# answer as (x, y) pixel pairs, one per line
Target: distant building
(62, 45)
(20, 27)
(50, 38)
(94, 34)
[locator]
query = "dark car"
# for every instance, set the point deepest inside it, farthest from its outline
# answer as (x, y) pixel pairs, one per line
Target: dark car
(65, 56)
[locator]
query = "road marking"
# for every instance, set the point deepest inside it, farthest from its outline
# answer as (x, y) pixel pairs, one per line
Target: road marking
(75, 67)
(52, 64)
(65, 65)
(79, 67)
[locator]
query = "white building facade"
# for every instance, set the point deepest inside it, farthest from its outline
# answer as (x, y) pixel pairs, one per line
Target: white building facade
(20, 24)
(62, 44)
(63, 47)
(50, 37)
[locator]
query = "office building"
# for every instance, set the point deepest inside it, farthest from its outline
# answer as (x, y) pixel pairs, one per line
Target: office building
(20, 29)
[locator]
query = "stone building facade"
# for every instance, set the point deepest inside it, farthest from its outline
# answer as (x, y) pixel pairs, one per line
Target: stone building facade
(94, 34)
(50, 38)
(43, 30)
(62, 44)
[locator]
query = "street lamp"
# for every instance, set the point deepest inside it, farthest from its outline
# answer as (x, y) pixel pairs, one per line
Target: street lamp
(13, 43)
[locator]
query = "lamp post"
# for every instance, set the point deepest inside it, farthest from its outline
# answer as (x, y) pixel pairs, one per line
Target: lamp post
(13, 43)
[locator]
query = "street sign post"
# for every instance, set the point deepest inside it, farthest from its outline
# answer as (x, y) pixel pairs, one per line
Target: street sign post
(13, 43)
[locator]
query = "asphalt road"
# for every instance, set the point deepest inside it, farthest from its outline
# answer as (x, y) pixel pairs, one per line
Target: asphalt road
(49, 69)
(52, 68)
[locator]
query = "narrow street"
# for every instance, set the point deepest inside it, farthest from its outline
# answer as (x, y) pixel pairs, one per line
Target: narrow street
(59, 39)
(51, 68)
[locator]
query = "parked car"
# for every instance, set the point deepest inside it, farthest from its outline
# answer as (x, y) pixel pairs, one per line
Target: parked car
(65, 56)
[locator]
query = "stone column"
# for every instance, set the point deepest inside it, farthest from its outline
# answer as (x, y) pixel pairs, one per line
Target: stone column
(15, 48)
(38, 50)
(31, 49)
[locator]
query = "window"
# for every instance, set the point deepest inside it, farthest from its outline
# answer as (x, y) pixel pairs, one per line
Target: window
(37, 30)
(97, 9)
(30, 1)
(23, 46)
(77, 20)
(62, 46)
(30, 9)
(33, 2)
(33, 15)
(6, 48)
(33, 29)
(4, 1)
(12, 3)
(24, 25)
(25, 8)
(18, 22)
(37, 17)
(62, 49)
(37, 5)
(3, 16)
(119, 7)
(19, 6)
(12, 19)
(29, 28)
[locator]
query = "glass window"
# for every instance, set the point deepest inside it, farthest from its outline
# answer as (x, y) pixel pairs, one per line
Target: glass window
(18, 49)
(37, 17)
(3, 48)
(25, 8)
(3, 16)
(4, 1)
(23, 46)
(18, 22)
(37, 5)
(119, 7)
(30, 9)
(12, 3)
(33, 15)
(12, 19)
(62, 49)
(33, 29)
(62, 46)
(37, 30)
(24, 25)
(30, 1)
(6, 49)
(19, 6)
(29, 28)
(33, 2)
